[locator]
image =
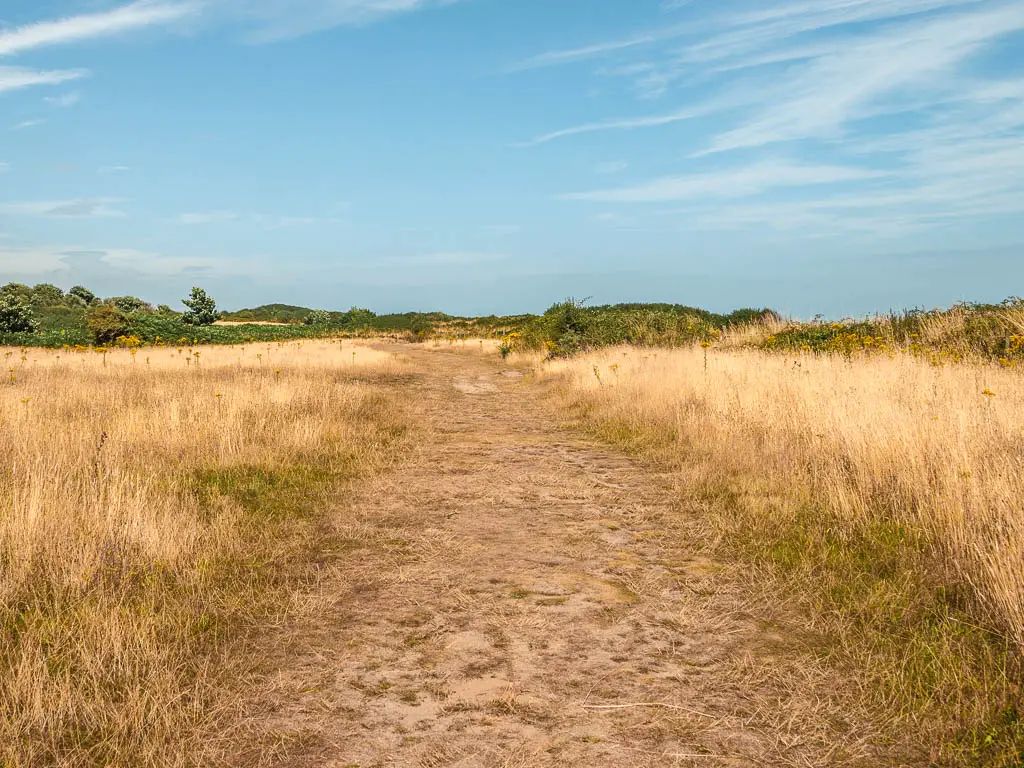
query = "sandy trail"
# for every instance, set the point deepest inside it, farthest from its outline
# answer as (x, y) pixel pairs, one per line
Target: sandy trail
(517, 595)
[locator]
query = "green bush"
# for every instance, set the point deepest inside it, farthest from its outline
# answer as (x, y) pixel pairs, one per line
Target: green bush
(129, 304)
(16, 314)
(570, 327)
(320, 318)
(106, 323)
(47, 295)
(82, 294)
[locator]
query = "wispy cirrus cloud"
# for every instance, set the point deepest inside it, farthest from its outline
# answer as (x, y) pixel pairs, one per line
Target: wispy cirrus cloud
(744, 181)
(842, 78)
(207, 217)
(867, 76)
(621, 124)
(24, 124)
(259, 21)
(267, 21)
(91, 26)
(81, 208)
(860, 85)
(63, 101)
(13, 78)
(596, 50)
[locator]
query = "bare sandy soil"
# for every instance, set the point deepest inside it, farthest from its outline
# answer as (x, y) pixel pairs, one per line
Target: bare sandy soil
(517, 595)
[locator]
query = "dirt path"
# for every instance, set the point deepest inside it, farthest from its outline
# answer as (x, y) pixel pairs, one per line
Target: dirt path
(520, 596)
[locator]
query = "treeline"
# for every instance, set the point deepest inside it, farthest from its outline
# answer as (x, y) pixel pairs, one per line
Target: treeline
(571, 327)
(965, 331)
(46, 315)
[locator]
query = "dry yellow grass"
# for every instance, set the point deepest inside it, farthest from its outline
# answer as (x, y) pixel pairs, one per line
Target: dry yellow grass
(476, 345)
(882, 469)
(131, 556)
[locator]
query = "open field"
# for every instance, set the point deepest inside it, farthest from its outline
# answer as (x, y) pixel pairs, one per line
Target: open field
(156, 511)
(883, 491)
(373, 553)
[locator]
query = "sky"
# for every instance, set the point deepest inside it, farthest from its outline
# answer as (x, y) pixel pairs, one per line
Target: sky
(478, 156)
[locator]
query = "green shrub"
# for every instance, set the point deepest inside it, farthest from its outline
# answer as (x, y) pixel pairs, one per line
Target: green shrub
(106, 323)
(16, 314)
(82, 294)
(319, 318)
(47, 295)
(422, 329)
(129, 304)
(202, 309)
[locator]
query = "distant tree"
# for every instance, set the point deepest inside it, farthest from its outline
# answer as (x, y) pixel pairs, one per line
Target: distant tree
(130, 304)
(15, 314)
(47, 295)
(320, 318)
(83, 294)
(106, 322)
(202, 309)
(18, 290)
(357, 317)
(164, 309)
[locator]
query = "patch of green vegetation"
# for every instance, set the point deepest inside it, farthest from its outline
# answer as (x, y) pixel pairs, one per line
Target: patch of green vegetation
(46, 316)
(571, 327)
(277, 494)
(993, 331)
(876, 592)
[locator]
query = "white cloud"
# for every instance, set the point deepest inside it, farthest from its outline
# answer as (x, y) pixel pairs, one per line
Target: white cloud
(621, 124)
(27, 124)
(43, 259)
(208, 217)
(896, 84)
(94, 25)
(847, 83)
(739, 182)
(150, 263)
(12, 78)
(81, 208)
(65, 100)
(843, 75)
(272, 20)
(567, 56)
(732, 34)
(114, 168)
(31, 260)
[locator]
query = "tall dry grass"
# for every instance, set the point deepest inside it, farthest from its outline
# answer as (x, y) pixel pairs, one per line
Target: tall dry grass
(154, 507)
(890, 490)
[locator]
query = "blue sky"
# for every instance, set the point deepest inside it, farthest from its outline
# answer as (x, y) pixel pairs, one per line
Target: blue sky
(834, 156)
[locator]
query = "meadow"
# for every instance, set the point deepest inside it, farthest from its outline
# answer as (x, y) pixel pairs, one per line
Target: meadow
(164, 498)
(159, 507)
(881, 494)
